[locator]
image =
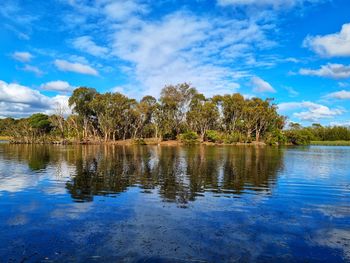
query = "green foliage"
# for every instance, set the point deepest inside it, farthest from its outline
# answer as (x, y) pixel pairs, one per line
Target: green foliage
(298, 137)
(214, 136)
(5, 126)
(189, 137)
(233, 137)
(303, 135)
(228, 138)
(276, 137)
(40, 122)
(139, 141)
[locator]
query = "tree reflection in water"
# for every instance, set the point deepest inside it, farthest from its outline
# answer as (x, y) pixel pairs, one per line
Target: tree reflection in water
(177, 174)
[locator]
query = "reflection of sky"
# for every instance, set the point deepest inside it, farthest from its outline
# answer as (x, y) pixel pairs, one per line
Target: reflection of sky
(304, 216)
(17, 176)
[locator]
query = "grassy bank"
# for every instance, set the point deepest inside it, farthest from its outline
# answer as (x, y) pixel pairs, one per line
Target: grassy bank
(331, 143)
(5, 138)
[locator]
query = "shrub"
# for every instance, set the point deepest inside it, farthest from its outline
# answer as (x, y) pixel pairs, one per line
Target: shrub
(233, 137)
(298, 137)
(275, 138)
(139, 141)
(214, 136)
(189, 137)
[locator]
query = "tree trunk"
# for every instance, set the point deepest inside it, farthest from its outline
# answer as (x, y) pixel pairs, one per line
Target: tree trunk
(257, 135)
(249, 133)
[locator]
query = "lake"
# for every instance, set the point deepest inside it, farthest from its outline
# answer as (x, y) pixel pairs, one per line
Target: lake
(174, 204)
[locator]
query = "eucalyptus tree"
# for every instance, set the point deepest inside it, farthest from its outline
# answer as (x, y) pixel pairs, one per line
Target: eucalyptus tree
(122, 116)
(145, 120)
(232, 110)
(73, 126)
(266, 113)
(174, 103)
(202, 115)
(250, 115)
(103, 106)
(80, 103)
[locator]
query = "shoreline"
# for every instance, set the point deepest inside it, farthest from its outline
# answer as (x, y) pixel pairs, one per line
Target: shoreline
(154, 141)
(130, 142)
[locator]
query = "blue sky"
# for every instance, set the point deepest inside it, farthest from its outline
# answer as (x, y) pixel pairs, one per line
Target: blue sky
(296, 51)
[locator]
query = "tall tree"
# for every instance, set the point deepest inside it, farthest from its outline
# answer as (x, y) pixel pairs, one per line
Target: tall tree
(80, 103)
(232, 110)
(175, 102)
(203, 115)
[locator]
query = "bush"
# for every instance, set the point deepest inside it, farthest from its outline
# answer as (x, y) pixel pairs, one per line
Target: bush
(214, 136)
(298, 137)
(275, 138)
(233, 137)
(189, 137)
(139, 141)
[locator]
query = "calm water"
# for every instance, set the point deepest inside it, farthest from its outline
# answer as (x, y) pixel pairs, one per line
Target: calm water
(174, 204)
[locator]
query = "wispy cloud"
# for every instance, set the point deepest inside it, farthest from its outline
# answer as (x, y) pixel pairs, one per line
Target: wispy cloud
(336, 71)
(341, 95)
(121, 10)
(276, 4)
(291, 91)
(33, 69)
(64, 65)
(261, 86)
(57, 85)
(181, 48)
(22, 56)
(86, 44)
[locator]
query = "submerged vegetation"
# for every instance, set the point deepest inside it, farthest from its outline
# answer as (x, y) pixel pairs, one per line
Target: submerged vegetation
(181, 113)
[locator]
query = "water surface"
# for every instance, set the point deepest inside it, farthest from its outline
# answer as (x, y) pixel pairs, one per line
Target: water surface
(174, 204)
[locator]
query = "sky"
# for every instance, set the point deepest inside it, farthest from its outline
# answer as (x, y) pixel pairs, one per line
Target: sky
(295, 51)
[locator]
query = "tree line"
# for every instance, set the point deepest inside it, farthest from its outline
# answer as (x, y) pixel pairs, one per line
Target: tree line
(180, 113)
(297, 134)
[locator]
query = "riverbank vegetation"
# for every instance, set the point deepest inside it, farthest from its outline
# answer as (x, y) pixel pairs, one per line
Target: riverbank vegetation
(318, 134)
(181, 113)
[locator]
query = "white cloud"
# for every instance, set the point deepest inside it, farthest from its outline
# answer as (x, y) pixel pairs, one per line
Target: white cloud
(343, 84)
(181, 48)
(22, 56)
(291, 91)
(336, 71)
(337, 123)
(262, 3)
(33, 69)
(18, 101)
(64, 65)
(123, 9)
(58, 85)
(260, 85)
(341, 95)
(86, 44)
(311, 112)
(332, 45)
